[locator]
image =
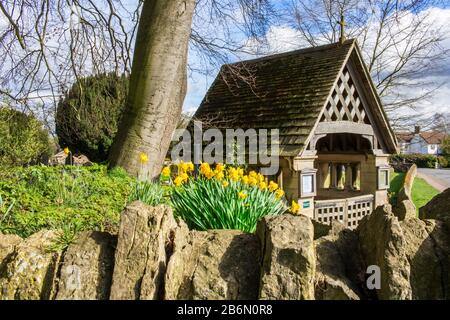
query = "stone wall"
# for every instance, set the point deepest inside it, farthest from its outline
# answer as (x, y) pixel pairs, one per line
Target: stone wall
(405, 208)
(154, 256)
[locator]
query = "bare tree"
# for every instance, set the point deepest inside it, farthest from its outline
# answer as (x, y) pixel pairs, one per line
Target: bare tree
(46, 46)
(399, 40)
(158, 80)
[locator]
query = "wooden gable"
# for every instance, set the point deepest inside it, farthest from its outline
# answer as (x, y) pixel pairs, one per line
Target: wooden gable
(344, 104)
(353, 106)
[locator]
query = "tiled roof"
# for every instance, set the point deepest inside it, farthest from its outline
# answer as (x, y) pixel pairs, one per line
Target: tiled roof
(404, 136)
(433, 137)
(288, 93)
(430, 137)
(284, 91)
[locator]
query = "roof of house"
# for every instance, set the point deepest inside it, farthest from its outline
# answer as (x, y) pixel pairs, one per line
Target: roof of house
(433, 137)
(285, 91)
(430, 137)
(404, 136)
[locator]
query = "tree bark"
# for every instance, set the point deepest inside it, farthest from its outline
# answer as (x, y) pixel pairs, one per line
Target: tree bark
(157, 87)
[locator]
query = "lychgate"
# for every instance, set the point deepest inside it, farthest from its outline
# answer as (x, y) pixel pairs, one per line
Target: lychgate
(334, 136)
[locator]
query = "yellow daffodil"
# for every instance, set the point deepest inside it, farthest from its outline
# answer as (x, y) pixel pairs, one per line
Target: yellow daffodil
(273, 186)
(143, 158)
(166, 172)
(295, 208)
(182, 167)
(205, 169)
(245, 179)
(66, 151)
(279, 194)
(261, 178)
(190, 167)
(240, 172)
(185, 167)
(242, 195)
(262, 186)
(184, 176)
(253, 174)
(233, 174)
(178, 181)
(220, 167)
(252, 181)
(225, 184)
(219, 175)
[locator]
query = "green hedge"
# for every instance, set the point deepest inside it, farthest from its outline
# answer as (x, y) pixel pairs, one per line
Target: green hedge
(87, 117)
(23, 139)
(421, 160)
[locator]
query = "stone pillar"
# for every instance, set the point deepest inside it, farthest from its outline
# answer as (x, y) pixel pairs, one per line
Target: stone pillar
(326, 175)
(356, 183)
(341, 177)
(348, 176)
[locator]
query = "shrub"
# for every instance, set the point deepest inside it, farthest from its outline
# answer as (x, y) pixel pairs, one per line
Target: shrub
(23, 140)
(444, 161)
(421, 160)
(148, 192)
(62, 198)
(87, 117)
(445, 146)
(223, 199)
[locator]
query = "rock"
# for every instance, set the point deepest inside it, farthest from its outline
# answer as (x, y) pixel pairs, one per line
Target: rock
(86, 272)
(58, 159)
(405, 210)
(8, 243)
(31, 269)
(63, 159)
(320, 229)
(81, 160)
(438, 208)
(405, 191)
(428, 252)
(338, 265)
(143, 247)
(383, 244)
(214, 265)
(289, 261)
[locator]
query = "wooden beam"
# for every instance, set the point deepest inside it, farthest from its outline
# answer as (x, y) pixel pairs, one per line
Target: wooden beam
(344, 127)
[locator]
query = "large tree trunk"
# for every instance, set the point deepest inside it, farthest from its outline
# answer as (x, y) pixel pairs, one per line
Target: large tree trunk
(157, 87)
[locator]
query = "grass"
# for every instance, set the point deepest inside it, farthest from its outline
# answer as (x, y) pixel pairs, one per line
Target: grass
(422, 192)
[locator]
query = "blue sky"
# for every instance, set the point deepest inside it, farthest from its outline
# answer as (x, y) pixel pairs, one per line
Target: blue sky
(283, 38)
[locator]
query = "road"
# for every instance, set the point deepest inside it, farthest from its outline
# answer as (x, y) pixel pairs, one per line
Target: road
(438, 178)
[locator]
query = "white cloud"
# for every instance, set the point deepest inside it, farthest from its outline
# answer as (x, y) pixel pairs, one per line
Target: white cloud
(284, 38)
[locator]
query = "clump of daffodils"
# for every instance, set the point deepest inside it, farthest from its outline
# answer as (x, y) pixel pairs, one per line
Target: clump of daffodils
(235, 175)
(222, 197)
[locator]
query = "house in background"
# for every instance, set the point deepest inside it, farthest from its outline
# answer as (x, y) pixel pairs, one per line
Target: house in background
(423, 142)
(335, 138)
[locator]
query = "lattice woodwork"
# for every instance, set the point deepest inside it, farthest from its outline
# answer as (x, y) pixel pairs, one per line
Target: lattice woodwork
(345, 103)
(347, 211)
